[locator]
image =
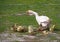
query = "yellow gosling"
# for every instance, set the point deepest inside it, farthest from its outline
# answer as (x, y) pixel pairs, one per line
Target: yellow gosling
(52, 28)
(30, 29)
(45, 32)
(20, 28)
(12, 28)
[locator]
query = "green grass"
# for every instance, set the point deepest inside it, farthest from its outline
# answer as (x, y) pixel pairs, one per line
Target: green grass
(50, 8)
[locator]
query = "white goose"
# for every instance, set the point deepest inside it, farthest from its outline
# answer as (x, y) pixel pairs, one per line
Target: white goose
(41, 20)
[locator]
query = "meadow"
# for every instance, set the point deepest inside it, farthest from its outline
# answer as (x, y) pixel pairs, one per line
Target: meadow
(10, 10)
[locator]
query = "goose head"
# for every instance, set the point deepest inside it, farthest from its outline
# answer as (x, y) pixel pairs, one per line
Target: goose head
(30, 12)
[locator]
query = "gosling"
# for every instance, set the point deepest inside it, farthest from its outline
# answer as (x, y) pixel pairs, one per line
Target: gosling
(14, 27)
(52, 28)
(21, 29)
(31, 30)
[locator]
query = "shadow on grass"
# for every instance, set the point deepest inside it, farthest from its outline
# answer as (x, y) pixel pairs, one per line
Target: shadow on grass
(56, 29)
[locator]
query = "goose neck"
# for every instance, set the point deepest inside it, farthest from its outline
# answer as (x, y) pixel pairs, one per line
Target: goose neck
(36, 14)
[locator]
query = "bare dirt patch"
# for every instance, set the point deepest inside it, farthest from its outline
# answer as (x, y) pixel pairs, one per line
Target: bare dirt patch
(9, 36)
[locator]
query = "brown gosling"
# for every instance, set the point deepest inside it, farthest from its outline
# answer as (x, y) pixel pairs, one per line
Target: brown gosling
(52, 28)
(14, 27)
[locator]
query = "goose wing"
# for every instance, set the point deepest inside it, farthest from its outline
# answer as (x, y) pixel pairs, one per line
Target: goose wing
(40, 19)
